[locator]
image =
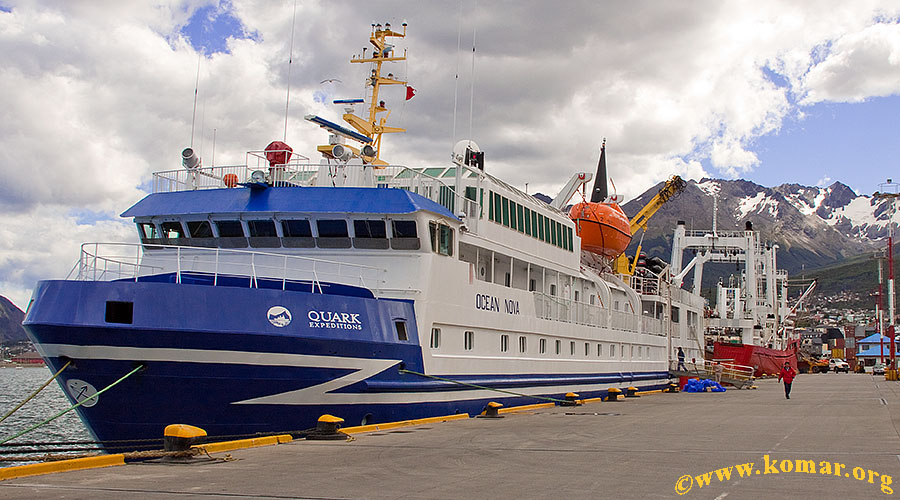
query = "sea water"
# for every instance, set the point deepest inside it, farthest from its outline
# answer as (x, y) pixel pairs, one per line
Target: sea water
(15, 385)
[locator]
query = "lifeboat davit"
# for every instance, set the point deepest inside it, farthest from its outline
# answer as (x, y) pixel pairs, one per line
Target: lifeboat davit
(603, 227)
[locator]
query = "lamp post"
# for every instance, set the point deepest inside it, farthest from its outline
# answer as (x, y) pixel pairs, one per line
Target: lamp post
(889, 190)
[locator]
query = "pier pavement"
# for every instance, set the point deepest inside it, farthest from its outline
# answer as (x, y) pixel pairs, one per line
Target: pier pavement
(655, 446)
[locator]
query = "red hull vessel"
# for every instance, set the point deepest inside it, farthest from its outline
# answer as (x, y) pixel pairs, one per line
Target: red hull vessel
(764, 360)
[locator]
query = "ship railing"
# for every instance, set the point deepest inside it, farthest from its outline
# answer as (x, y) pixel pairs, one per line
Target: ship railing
(556, 308)
(652, 326)
(216, 266)
(302, 173)
(645, 285)
(703, 368)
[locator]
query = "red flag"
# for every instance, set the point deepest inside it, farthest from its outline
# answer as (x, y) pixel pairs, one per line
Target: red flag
(410, 92)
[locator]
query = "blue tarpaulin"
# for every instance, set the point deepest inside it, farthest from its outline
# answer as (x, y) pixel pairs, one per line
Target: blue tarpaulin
(697, 385)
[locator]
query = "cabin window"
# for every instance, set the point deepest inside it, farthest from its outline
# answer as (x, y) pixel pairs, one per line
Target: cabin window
(553, 289)
(296, 228)
(676, 315)
(229, 228)
(572, 348)
(404, 229)
(523, 344)
(504, 343)
(148, 231)
(332, 228)
(570, 239)
(558, 347)
(532, 285)
(576, 295)
(172, 230)
(441, 238)
(369, 228)
(553, 232)
(469, 340)
(262, 228)
(534, 224)
(400, 326)
(491, 206)
(543, 346)
(622, 351)
(199, 229)
(612, 350)
(513, 220)
(592, 299)
(435, 338)
(547, 229)
(505, 211)
(520, 216)
(599, 350)
(508, 280)
(528, 221)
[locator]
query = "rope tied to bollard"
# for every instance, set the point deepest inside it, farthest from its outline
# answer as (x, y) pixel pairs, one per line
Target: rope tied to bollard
(483, 387)
(76, 405)
(36, 392)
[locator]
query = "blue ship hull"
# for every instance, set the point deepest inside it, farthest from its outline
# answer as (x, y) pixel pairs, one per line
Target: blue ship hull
(218, 358)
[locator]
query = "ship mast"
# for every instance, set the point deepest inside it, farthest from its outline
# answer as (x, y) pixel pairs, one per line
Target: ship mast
(373, 126)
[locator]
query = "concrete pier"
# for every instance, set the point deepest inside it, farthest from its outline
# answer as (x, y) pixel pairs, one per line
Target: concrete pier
(844, 426)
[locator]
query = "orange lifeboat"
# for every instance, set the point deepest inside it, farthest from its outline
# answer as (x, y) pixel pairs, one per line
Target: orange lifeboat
(603, 227)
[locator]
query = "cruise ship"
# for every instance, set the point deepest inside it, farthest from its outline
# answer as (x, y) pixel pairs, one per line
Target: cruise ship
(263, 295)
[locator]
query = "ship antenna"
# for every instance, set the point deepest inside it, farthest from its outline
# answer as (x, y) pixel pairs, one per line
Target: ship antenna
(287, 101)
(456, 77)
(196, 89)
(472, 97)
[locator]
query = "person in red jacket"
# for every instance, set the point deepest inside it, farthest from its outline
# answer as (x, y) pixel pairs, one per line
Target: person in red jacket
(787, 374)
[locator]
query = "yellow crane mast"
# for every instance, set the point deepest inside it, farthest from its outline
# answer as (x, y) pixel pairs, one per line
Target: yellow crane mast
(672, 187)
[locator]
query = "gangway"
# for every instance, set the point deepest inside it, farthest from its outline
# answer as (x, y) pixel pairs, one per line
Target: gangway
(739, 376)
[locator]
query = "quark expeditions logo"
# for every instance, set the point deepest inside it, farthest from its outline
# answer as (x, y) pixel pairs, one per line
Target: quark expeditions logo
(279, 316)
(82, 392)
(335, 320)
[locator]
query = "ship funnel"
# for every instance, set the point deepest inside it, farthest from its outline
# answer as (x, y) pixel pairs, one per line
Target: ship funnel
(601, 192)
(189, 158)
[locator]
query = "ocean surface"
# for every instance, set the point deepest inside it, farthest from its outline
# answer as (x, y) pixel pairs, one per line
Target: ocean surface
(15, 385)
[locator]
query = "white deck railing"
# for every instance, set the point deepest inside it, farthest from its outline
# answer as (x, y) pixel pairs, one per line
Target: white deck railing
(132, 261)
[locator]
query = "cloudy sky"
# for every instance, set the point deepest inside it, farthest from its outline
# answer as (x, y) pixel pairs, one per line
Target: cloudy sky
(98, 94)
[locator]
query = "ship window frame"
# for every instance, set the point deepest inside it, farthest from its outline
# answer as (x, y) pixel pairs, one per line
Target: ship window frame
(255, 225)
(504, 343)
(534, 222)
(490, 206)
(520, 213)
(404, 234)
(367, 226)
(528, 221)
(468, 340)
(587, 349)
(558, 347)
(154, 234)
(513, 220)
(435, 342)
(572, 347)
(332, 232)
(176, 226)
(523, 344)
(219, 223)
(612, 350)
(547, 228)
(542, 346)
(600, 350)
(505, 206)
(400, 328)
(288, 227)
(195, 229)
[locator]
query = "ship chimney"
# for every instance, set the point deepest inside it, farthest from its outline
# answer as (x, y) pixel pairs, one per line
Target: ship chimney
(600, 192)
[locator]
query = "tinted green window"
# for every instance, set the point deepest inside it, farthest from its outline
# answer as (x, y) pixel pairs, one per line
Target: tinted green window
(571, 240)
(513, 220)
(528, 221)
(547, 229)
(541, 226)
(553, 232)
(498, 218)
(491, 207)
(520, 211)
(505, 211)
(534, 224)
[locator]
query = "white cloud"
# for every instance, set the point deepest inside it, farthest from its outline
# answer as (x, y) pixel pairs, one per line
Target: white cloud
(98, 95)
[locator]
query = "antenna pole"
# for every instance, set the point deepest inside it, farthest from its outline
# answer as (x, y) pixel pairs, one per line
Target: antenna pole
(196, 89)
(472, 97)
(287, 100)
(456, 79)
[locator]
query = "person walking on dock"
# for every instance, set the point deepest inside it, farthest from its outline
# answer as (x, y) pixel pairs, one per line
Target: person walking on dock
(681, 366)
(787, 374)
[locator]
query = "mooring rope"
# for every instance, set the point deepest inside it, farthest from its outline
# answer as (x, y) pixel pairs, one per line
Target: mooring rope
(476, 386)
(76, 405)
(35, 393)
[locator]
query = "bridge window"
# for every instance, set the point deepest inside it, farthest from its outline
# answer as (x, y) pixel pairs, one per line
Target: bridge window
(172, 230)
(441, 238)
(366, 228)
(401, 330)
(148, 231)
(262, 228)
(296, 228)
(405, 229)
(332, 228)
(199, 229)
(229, 228)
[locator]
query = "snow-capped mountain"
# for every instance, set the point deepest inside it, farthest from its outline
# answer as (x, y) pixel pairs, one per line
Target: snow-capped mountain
(812, 226)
